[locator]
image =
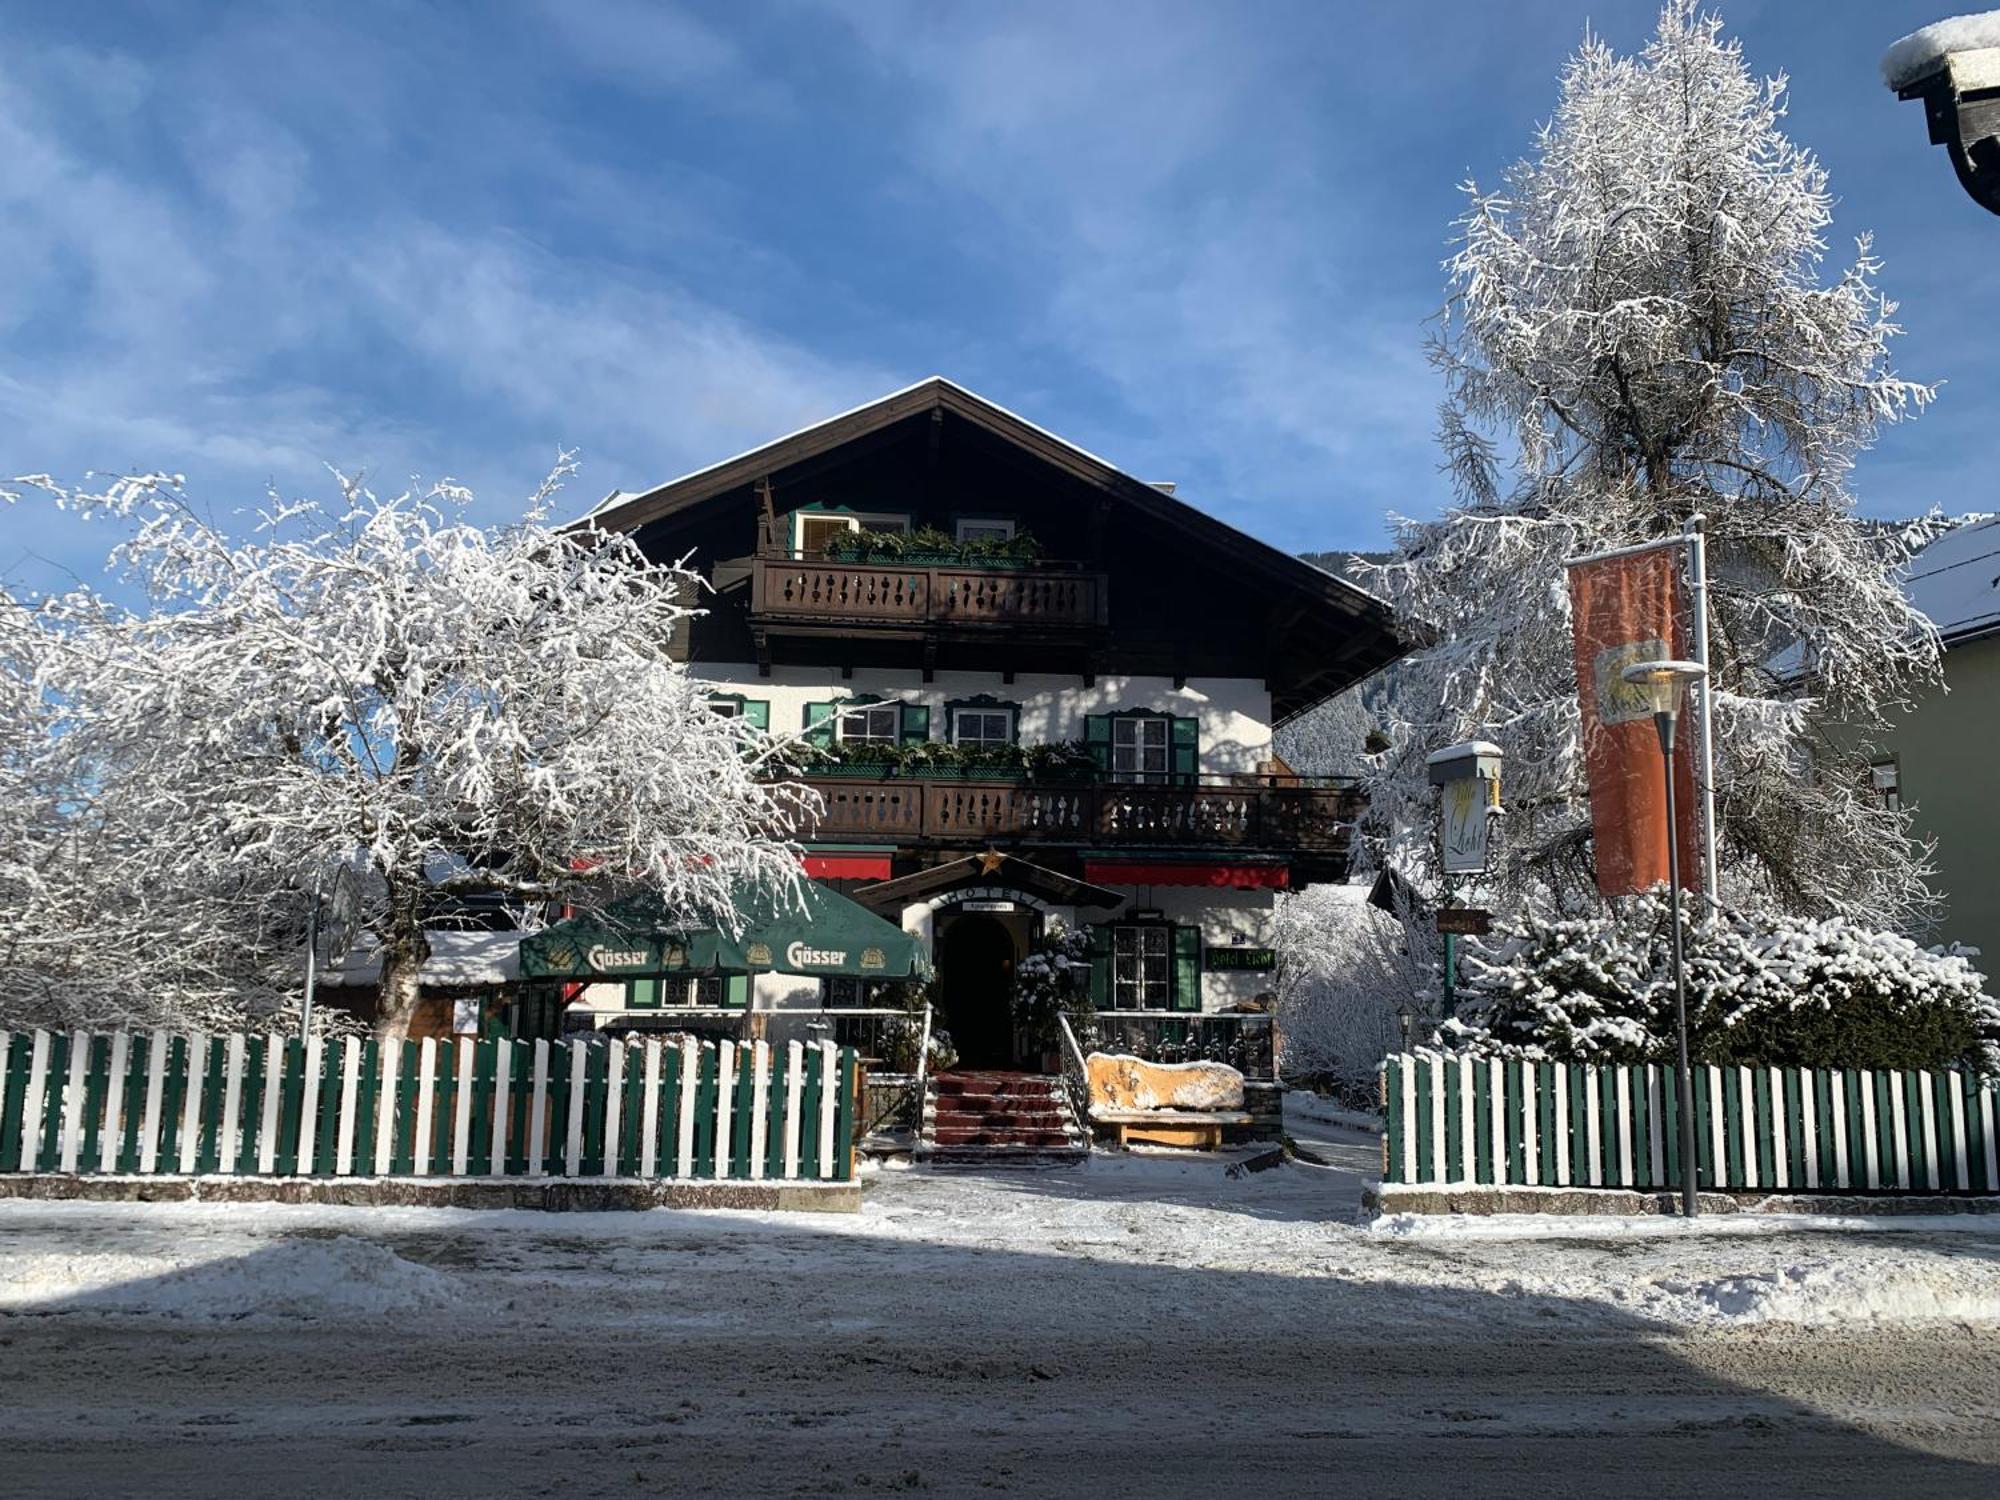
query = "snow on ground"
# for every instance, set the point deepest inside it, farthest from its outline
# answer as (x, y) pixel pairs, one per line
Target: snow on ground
(1294, 1223)
(1137, 1326)
(338, 1277)
(1304, 1106)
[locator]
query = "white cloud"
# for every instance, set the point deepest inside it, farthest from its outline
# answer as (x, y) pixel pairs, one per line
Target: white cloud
(188, 283)
(1155, 175)
(654, 48)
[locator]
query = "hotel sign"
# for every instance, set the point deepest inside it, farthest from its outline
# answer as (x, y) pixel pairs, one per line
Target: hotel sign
(1243, 960)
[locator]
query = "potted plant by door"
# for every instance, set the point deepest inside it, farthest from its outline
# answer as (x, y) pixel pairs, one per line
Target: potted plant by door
(1052, 983)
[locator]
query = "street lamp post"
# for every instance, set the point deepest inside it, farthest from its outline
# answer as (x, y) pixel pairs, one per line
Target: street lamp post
(1664, 683)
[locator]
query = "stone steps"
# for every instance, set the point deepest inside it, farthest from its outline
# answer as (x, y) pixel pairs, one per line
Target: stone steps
(999, 1119)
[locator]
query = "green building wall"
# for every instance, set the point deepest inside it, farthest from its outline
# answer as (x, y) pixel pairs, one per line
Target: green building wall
(1947, 755)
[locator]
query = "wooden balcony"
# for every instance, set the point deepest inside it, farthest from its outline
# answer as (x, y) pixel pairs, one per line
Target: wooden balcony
(818, 595)
(1266, 816)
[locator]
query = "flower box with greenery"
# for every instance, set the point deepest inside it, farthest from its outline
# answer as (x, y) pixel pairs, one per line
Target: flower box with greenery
(929, 547)
(1051, 982)
(1067, 760)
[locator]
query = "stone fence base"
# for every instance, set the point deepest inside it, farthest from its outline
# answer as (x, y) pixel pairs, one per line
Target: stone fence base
(1395, 1198)
(553, 1194)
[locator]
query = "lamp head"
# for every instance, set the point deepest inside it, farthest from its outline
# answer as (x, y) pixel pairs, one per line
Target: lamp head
(1664, 681)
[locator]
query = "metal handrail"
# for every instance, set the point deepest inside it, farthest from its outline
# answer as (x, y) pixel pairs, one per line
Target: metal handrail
(923, 1069)
(1076, 1079)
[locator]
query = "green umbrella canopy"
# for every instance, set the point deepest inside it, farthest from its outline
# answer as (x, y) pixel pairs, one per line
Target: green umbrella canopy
(822, 934)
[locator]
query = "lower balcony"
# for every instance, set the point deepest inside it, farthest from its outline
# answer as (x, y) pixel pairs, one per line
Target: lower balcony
(1228, 813)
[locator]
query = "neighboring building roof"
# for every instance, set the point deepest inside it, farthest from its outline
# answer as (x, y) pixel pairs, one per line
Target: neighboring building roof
(1956, 581)
(456, 958)
(1924, 50)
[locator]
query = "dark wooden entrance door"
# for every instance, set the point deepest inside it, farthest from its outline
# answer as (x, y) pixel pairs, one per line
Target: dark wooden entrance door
(976, 980)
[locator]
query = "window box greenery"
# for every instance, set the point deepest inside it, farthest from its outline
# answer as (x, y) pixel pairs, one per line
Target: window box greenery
(929, 547)
(935, 760)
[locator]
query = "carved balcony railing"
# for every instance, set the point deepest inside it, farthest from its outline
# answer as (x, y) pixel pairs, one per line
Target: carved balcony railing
(1280, 815)
(920, 598)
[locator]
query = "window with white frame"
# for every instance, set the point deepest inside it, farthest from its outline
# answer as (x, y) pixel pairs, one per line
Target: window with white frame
(1140, 748)
(983, 529)
(813, 529)
(726, 708)
(872, 724)
(1142, 967)
(982, 728)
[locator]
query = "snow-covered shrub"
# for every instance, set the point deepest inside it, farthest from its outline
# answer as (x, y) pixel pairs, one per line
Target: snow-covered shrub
(1770, 989)
(1345, 977)
(1053, 981)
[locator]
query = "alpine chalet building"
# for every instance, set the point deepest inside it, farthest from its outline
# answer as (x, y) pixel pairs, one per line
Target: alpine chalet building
(1039, 688)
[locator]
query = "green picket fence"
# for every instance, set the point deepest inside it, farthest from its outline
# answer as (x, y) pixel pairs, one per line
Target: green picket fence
(1463, 1121)
(159, 1103)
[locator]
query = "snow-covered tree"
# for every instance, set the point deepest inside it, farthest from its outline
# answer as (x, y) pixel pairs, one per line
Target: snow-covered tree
(1640, 324)
(1347, 974)
(1786, 991)
(379, 682)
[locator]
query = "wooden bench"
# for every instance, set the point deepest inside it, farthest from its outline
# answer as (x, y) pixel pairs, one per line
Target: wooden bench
(1197, 1129)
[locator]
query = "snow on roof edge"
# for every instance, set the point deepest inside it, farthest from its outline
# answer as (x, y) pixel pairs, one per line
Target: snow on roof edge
(622, 496)
(1924, 50)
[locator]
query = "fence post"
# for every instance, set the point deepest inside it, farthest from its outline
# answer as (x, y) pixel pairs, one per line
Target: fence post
(829, 1104)
(760, 1100)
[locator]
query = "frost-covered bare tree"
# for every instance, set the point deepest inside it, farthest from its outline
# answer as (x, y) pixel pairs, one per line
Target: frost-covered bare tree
(1641, 324)
(1334, 737)
(376, 681)
(1347, 974)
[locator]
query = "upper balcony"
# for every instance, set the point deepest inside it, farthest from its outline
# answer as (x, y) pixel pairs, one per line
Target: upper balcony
(1235, 813)
(915, 599)
(929, 587)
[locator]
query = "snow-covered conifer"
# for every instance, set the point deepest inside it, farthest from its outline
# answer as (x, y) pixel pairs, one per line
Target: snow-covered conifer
(1641, 321)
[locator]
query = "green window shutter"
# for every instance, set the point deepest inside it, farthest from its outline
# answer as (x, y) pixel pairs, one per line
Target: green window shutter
(1187, 968)
(819, 725)
(757, 712)
(1097, 740)
(642, 994)
(916, 723)
(1100, 968)
(1186, 742)
(736, 992)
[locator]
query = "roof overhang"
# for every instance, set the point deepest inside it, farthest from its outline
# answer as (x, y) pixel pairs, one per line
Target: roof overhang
(989, 869)
(1371, 637)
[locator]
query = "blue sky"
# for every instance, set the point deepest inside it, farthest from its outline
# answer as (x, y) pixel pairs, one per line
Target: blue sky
(1198, 239)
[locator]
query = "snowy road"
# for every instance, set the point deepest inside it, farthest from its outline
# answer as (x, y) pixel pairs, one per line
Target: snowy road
(1136, 1327)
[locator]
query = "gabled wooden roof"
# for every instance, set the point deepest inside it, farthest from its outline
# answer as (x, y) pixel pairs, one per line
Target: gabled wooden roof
(1309, 595)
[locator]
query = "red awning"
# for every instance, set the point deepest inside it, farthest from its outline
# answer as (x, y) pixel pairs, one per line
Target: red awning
(1214, 873)
(848, 866)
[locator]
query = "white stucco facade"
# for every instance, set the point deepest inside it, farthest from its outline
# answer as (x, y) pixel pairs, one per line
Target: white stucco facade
(1233, 713)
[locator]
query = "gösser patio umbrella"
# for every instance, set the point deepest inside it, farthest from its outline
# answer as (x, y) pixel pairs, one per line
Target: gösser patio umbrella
(825, 935)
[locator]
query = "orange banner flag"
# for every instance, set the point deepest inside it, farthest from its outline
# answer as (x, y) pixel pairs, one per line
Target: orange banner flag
(1627, 607)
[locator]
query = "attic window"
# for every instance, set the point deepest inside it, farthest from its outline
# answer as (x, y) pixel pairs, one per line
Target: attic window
(985, 529)
(813, 529)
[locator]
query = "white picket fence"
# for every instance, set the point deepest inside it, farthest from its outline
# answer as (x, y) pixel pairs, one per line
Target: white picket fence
(192, 1104)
